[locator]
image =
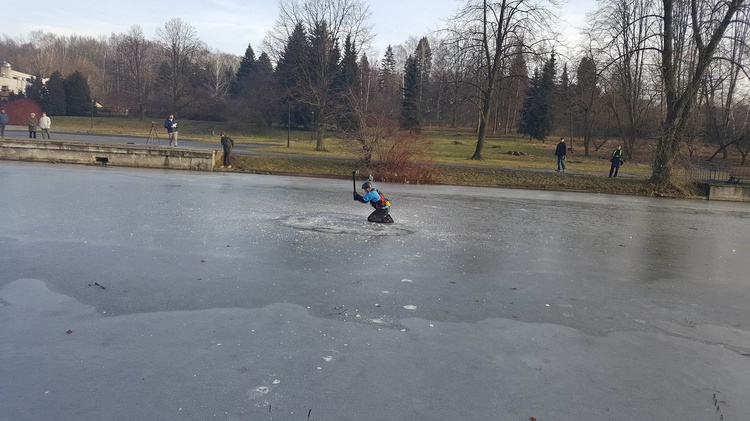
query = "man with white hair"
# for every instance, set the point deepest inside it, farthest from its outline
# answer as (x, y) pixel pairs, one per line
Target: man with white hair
(44, 124)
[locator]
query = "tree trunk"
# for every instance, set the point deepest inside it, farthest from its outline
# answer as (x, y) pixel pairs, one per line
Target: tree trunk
(319, 140)
(679, 103)
(482, 126)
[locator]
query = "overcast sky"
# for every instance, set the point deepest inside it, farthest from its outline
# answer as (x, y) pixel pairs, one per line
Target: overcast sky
(229, 25)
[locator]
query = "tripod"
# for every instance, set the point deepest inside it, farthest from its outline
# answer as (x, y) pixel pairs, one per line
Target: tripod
(153, 133)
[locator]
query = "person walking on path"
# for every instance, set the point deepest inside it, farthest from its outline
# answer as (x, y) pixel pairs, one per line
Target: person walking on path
(44, 124)
(616, 161)
(561, 151)
(171, 125)
(3, 122)
(33, 124)
(227, 144)
(378, 201)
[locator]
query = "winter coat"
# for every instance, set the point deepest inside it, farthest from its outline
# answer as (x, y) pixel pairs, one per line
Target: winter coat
(170, 125)
(561, 150)
(45, 122)
(227, 143)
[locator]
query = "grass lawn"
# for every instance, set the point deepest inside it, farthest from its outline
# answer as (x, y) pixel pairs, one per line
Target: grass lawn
(451, 149)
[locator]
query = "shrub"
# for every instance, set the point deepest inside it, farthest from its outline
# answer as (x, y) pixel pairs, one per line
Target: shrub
(18, 111)
(403, 158)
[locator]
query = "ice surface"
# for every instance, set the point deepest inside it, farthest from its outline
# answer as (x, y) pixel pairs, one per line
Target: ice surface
(560, 306)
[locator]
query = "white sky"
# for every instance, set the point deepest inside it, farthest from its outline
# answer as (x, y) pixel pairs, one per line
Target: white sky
(229, 25)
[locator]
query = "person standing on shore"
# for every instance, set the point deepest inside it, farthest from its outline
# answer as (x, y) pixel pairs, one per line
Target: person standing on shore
(561, 151)
(227, 144)
(616, 161)
(3, 122)
(33, 124)
(171, 126)
(44, 124)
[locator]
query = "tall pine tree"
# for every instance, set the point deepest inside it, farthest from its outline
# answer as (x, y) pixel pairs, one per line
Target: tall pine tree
(77, 95)
(532, 109)
(289, 76)
(248, 65)
(410, 104)
(347, 89)
(56, 103)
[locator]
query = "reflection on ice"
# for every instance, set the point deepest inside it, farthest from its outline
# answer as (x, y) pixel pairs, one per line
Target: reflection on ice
(332, 223)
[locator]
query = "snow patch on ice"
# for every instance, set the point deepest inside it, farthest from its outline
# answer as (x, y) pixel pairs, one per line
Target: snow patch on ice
(257, 392)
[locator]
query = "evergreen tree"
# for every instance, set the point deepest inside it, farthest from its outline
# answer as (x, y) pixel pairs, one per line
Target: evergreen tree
(266, 95)
(55, 104)
(347, 89)
(423, 56)
(264, 63)
(410, 104)
(289, 76)
(367, 82)
(248, 66)
(77, 95)
(36, 91)
(541, 98)
(533, 107)
(389, 86)
(323, 62)
(549, 96)
(387, 71)
(564, 104)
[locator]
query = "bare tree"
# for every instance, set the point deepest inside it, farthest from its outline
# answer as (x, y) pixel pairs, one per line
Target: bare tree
(622, 30)
(181, 49)
(494, 31)
(725, 92)
(342, 17)
(220, 69)
(328, 23)
(47, 53)
(137, 62)
(709, 22)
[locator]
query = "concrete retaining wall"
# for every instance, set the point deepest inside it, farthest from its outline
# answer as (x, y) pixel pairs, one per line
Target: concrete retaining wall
(729, 193)
(118, 155)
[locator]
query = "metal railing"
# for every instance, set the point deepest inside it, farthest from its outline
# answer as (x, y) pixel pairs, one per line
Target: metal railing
(708, 173)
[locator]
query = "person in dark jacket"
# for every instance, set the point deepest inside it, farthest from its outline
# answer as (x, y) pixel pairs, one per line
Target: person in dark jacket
(3, 122)
(561, 151)
(171, 125)
(616, 160)
(378, 201)
(33, 124)
(227, 144)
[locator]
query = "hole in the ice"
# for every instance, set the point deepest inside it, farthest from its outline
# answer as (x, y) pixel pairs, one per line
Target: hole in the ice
(332, 223)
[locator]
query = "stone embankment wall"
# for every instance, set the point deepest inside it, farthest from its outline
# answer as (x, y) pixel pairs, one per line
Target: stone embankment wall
(125, 155)
(732, 193)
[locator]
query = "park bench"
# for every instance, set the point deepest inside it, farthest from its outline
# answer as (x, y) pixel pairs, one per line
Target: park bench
(739, 175)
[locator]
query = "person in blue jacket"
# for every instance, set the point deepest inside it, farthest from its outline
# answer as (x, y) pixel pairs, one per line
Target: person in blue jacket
(378, 201)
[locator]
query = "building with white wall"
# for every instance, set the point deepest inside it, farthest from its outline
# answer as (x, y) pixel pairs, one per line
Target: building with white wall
(12, 81)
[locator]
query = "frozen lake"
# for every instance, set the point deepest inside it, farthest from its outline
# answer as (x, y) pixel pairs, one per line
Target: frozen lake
(144, 294)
